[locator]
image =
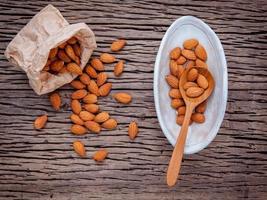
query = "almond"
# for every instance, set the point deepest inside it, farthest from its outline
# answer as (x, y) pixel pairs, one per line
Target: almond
(189, 84)
(76, 106)
(194, 91)
(202, 81)
(93, 88)
(46, 68)
(97, 64)
(53, 53)
(175, 103)
(55, 100)
(91, 71)
(92, 108)
(93, 126)
(72, 40)
(198, 117)
(79, 148)
(77, 84)
(63, 56)
(63, 70)
(175, 94)
(117, 45)
(201, 52)
(192, 74)
(104, 90)
(118, 69)
(86, 116)
(107, 58)
(90, 98)
(100, 155)
(189, 54)
(172, 81)
(70, 52)
(133, 130)
(173, 68)
(181, 60)
(180, 120)
(62, 45)
(175, 53)
(181, 110)
(123, 98)
(190, 43)
(78, 129)
(85, 79)
(190, 64)
(79, 94)
(76, 119)
(110, 124)
(74, 68)
(101, 78)
(180, 70)
(101, 117)
(201, 107)
(57, 65)
(77, 49)
(200, 63)
(40, 122)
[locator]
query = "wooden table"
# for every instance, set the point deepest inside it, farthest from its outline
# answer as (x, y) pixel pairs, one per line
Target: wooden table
(42, 165)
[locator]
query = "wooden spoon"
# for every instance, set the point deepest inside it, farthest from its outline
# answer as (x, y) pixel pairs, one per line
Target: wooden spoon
(191, 103)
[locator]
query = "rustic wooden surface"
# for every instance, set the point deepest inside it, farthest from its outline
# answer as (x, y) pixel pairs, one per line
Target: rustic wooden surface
(42, 164)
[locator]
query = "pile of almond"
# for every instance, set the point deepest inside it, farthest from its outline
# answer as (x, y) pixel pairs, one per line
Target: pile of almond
(193, 54)
(64, 58)
(90, 85)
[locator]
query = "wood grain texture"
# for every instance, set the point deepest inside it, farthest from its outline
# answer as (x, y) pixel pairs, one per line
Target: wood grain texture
(42, 164)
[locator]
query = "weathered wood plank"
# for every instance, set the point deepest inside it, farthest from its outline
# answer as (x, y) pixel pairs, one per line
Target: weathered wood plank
(42, 164)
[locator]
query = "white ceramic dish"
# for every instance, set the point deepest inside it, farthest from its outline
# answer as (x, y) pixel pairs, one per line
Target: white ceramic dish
(199, 135)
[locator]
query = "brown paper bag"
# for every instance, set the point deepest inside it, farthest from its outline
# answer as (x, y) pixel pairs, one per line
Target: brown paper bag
(30, 48)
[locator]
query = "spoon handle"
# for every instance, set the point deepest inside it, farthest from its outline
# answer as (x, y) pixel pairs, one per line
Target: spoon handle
(177, 154)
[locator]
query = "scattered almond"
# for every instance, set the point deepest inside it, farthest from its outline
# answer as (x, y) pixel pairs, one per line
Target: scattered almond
(40, 122)
(76, 119)
(55, 100)
(91, 71)
(133, 130)
(86, 116)
(74, 68)
(93, 88)
(107, 58)
(79, 94)
(101, 117)
(85, 79)
(90, 98)
(101, 78)
(92, 108)
(97, 64)
(93, 126)
(110, 124)
(104, 90)
(79, 148)
(118, 69)
(117, 45)
(123, 98)
(77, 84)
(78, 129)
(100, 155)
(76, 106)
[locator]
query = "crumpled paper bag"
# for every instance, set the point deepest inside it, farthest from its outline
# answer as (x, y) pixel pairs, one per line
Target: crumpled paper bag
(30, 48)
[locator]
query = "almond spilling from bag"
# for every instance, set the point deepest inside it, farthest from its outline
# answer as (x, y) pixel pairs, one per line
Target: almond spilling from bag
(93, 126)
(100, 155)
(93, 88)
(76, 106)
(40, 122)
(53, 53)
(79, 94)
(101, 117)
(107, 58)
(101, 78)
(97, 64)
(86, 116)
(90, 98)
(56, 65)
(55, 100)
(104, 90)
(63, 56)
(78, 147)
(117, 45)
(85, 79)
(91, 71)
(122, 97)
(74, 68)
(118, 69)
(76, 119)
(78, 129)
(76, 84)
(92, 108)
(110, 124)
(133, 130)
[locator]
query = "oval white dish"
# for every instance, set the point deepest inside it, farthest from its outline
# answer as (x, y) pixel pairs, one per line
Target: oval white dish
(199, 135)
